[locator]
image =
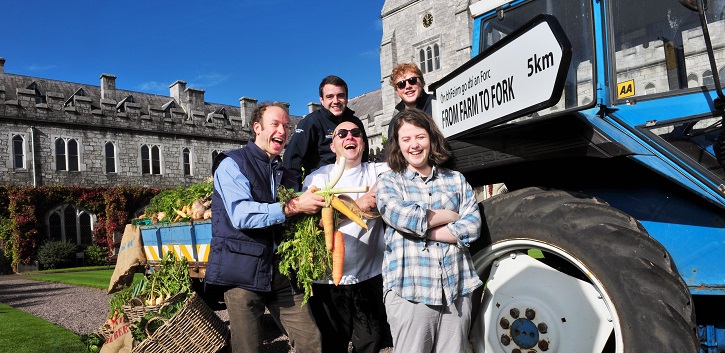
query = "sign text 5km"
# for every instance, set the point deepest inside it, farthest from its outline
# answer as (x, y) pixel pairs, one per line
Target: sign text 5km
(520, 74)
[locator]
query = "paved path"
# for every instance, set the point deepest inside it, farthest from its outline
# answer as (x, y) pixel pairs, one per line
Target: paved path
(79, 309)
(83, 310)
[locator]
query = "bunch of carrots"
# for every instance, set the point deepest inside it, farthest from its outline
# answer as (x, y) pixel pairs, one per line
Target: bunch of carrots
(303, 252)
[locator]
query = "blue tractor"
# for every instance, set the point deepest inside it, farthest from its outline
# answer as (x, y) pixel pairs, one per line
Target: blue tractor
(604, 119)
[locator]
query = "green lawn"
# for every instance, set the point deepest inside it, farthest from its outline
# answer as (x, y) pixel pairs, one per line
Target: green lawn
(96, 279)
(29, 334)
(26, 333)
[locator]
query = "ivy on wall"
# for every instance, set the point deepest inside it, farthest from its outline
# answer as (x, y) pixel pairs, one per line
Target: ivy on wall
(23, 209)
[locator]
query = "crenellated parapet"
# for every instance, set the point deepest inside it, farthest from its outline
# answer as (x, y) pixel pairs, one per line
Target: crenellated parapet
(184, 112)
(65, 133)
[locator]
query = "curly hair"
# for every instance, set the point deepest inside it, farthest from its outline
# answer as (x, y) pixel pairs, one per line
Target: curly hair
(439, 152)
(259, 112)
(400, 70)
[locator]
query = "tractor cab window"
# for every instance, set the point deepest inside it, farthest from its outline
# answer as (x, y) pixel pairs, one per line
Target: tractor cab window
(701, 139)
(659, 47)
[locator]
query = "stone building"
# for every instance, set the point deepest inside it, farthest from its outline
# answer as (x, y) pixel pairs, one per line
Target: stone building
(63, 133)
(58, 133)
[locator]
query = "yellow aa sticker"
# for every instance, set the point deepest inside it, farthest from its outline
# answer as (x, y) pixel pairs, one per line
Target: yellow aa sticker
(625, 89)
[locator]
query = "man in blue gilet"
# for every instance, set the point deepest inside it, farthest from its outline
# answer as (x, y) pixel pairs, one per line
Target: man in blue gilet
(247, 223)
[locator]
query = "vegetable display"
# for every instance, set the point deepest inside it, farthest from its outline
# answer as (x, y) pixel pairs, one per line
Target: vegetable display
(170, 279)
(93, 342)
(181, 204)
(159, 294)
(309, 253)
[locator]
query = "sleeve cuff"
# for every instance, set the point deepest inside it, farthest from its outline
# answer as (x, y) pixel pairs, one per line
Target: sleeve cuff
(276, 215)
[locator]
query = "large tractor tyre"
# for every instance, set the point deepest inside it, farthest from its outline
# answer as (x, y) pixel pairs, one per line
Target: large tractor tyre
(566, 272)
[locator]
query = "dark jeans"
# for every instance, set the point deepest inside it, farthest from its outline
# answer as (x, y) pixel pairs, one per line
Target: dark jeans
(354, 313)
(246, 309)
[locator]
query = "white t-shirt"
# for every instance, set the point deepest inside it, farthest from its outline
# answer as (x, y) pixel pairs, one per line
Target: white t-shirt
(363, 249)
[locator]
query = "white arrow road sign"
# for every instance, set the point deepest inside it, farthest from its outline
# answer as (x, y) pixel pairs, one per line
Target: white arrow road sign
(520, 74)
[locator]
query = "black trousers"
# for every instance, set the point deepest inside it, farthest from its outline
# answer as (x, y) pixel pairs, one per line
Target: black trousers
(354, 313)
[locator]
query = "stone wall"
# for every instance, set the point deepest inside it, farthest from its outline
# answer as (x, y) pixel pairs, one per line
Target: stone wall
(40, 111)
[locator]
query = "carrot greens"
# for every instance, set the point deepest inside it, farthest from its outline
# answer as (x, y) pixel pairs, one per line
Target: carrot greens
(303, 253)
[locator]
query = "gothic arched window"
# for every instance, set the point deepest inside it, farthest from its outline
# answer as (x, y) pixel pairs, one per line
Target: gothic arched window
(150, 159)
(71, 224)
(67, 156)
(110, 152)
(187, 160)
(18, 152)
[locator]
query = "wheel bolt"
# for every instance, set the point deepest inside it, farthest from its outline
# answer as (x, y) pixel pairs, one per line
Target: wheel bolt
(514, 313)
(505, 340)
(504, 323)
(542, 327)
(544, 345)
(516, 350)
(530, 314)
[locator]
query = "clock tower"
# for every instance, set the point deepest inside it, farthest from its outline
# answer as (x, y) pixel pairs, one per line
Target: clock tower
(433, 34)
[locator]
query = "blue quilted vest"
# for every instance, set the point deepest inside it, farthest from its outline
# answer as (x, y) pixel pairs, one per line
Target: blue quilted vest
(244, 258)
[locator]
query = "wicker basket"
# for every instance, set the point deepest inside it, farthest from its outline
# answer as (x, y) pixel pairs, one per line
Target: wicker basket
(195, 328)
(136, 308)
(104, 331)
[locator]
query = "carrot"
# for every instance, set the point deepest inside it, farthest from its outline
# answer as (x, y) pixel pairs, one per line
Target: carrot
(338, 257)
(328, 225)
(340, 206)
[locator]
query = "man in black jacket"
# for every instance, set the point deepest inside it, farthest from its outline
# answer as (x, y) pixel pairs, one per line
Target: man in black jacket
(309, 147)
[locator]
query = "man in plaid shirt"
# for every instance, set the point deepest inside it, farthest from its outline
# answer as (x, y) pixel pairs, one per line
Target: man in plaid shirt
(432, 214)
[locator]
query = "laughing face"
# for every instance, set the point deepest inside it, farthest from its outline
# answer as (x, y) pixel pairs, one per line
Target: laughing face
(272, 131)
(350, 146)
(334, 99)
(414, 144)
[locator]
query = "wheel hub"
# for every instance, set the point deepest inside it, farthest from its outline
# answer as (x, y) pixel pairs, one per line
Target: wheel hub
(530, 307)
(524, 333)
(522, 326)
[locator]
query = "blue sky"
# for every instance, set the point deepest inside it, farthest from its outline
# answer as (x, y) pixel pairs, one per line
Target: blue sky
(263, 49)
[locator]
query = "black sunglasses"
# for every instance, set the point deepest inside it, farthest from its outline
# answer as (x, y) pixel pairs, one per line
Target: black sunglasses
(342, 133)
(401, 84)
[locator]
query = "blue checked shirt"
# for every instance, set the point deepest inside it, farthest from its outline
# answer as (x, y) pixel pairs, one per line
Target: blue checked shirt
(415, 268)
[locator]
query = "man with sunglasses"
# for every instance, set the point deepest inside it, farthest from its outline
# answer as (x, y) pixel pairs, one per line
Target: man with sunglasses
(309, 147)
(409, 84)
(354, 309)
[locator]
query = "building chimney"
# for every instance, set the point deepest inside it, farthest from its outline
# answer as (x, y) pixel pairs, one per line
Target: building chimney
(108, 87)
(2, 71)
(285, 104)
(177, 91)
(196, 100)
(312, 106)
(247, 106)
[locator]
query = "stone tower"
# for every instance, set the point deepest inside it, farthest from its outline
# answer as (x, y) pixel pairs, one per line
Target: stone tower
(434, 34)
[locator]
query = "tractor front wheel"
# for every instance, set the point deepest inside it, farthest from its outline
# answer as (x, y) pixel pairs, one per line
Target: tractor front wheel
(566, 272)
